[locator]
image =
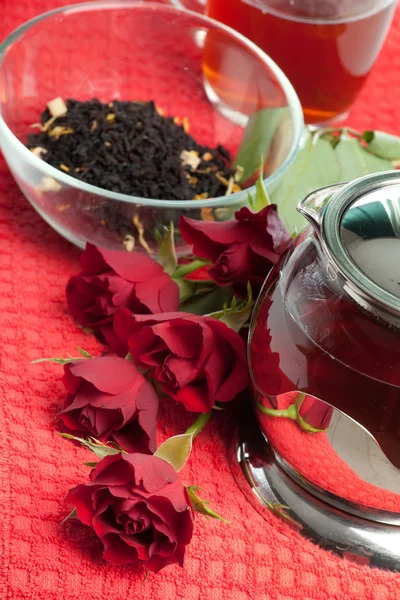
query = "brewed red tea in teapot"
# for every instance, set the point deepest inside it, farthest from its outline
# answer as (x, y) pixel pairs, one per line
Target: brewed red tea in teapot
(324, 345)
(314, 338)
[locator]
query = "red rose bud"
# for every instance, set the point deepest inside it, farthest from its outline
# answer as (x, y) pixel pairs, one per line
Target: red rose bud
(313, 415)
(139, 509)
(242, 250)
(196, 360)
(109, 399)
(112, 279)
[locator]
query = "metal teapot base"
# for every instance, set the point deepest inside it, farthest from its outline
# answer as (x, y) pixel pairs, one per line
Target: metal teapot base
(268, 487)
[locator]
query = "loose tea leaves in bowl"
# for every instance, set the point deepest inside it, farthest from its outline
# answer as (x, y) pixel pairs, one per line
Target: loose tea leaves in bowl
(132, 148)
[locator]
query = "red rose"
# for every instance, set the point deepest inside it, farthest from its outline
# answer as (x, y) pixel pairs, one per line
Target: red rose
(109, 399)
(139, 509)
(242, 250)
(197, 360)
(111, 279)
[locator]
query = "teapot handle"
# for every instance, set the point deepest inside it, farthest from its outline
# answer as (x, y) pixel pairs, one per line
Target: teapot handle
(311, 207)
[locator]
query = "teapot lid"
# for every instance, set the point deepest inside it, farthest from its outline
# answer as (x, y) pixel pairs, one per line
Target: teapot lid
(360, 227)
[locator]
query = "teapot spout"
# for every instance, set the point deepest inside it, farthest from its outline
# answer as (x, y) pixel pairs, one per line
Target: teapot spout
(312, 206)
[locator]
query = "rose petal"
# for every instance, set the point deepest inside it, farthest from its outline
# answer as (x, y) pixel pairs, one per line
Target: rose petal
(126, 402)
(183, 337)
(109, 374)
(132, 266)
(89, 299)
(142, 546)
(92, 261)
(133, 438)
(124, 325)
(86, 394)
(147, 404)
(237, 380)
(117, 551)
(156, 562)
(122, 294)
(232, 266)
(143, 344)
(102, 525)
(211, 238)
(162, 547)
(71, 421)
(167, 529)
(106, 420)
(107, 336)
(150, 472)
(206, 342)
(159, 294)
(278, 232)
(112, 470)
(168, 295)
(277, 237)
(183, 370)
(122, 491)
(174, 499)
(70, 381)
(195, 398)
(81, 497)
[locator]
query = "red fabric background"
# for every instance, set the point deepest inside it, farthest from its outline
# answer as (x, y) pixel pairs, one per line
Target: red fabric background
(248, 560)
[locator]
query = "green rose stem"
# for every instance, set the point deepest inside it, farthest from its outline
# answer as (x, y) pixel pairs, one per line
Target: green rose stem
(198, 425)
(187, 269)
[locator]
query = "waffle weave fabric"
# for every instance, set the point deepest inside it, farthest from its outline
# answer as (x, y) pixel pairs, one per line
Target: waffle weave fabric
(249, 560)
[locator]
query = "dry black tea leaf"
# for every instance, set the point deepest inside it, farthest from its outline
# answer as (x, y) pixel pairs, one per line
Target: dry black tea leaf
(131, 148)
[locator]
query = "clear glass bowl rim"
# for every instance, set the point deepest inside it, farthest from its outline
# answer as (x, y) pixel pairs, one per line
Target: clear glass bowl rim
(294, 104)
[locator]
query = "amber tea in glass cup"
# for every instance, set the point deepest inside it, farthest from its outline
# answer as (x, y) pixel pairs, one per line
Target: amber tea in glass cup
(325, 47)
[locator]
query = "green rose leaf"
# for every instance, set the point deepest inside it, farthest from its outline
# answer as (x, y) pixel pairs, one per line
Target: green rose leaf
(72, 515)
(236, 315)
(176, 450)
(382, 144)
(207, 301)
(63, 361)
(201, 506)
(58, 361)
(324, 158)
(355, 161)
(166, 252)
(261, 199)
(186, 289)
(101, 450)
(315, 166)
(258, 138)
(84, 353)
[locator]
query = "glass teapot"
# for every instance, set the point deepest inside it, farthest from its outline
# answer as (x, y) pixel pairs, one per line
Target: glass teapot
(324, 350)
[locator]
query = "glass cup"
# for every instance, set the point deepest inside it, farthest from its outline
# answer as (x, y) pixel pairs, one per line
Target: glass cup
(325, 47)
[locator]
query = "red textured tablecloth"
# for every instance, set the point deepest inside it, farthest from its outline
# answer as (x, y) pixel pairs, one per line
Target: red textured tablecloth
(248, 560)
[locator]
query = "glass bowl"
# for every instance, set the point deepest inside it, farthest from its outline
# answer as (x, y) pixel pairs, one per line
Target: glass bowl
(190, 65)
(198, 6)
